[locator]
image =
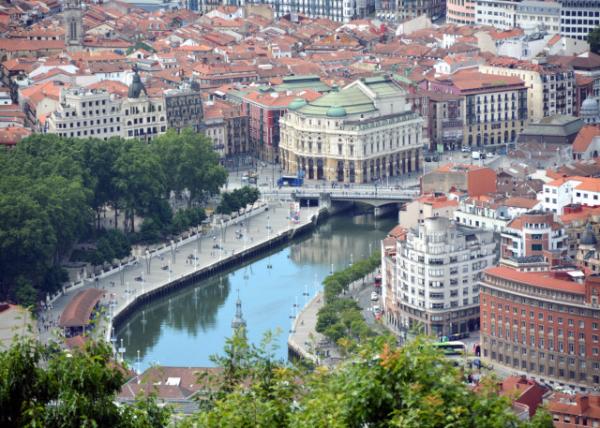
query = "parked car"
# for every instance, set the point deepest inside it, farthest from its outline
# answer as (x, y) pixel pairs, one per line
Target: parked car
(374, 296)
(376, 309)
(465, 149)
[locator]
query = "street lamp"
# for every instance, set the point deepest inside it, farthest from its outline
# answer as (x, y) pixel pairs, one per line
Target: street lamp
(148, 260)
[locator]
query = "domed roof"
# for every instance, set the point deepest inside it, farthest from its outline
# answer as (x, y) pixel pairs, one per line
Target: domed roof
(335, 111)
(588, 237)
(589, 107)
(296, 104)
(137, 87)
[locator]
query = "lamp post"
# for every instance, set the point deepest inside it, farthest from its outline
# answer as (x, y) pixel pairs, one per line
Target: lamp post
(148, 260)
(198, 239)
(173, 251)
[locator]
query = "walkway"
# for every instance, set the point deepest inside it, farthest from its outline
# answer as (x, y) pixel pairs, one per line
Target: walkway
(306, 342)
(123, 286)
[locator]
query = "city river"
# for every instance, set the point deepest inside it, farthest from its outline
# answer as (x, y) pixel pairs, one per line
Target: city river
(187, 327)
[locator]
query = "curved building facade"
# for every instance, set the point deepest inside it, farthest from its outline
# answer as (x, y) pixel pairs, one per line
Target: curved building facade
(363, 132)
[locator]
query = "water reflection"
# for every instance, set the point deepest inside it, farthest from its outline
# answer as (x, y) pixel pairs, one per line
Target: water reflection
(188, 326)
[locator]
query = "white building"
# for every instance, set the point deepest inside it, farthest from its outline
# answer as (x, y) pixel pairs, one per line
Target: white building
(437, 270)
(534, 15)
(497, 13)
(559, 193)
(363, 132)
(87, 113)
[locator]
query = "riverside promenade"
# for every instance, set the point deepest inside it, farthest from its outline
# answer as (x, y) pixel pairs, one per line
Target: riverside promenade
(150, 274)
(305, 342)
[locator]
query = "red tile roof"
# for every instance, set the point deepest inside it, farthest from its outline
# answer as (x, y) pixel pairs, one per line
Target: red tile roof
(585, 137)
(536, 279)
(78, 311)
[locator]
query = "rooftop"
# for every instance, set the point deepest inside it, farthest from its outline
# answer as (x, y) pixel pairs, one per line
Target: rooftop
(536, 279)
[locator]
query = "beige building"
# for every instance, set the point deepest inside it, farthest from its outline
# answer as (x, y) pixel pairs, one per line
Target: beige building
(363, 132)
(550, 87)
(94, 113)
(432, 205)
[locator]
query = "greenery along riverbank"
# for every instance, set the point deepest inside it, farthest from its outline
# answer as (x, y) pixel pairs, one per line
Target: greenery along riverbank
(341, 316)
(54, 191)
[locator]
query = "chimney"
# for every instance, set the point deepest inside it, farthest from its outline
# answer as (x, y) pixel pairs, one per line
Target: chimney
(583, 402)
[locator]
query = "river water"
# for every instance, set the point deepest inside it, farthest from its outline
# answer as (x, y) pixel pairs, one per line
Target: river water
(188, 326)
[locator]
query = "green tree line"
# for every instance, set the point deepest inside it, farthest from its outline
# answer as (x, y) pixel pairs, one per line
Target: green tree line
(380, 386)
(53, 191)
(340, 316)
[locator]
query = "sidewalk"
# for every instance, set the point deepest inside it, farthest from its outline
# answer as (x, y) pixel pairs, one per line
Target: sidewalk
(123, 286)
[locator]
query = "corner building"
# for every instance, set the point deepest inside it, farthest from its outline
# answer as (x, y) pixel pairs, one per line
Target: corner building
(438, 267)
(543, 324)
(363, 132)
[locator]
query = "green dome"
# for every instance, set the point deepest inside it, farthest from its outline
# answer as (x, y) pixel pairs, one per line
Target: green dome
(335, 111)
(296, 104)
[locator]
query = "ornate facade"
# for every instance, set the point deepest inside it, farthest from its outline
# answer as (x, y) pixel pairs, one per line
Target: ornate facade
(363, 132)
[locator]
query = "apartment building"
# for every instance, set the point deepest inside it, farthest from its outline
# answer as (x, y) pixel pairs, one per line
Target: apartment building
(410, 9)
(496, 13)
(550, 87)
(438, 266)
(579, 17)
(460, 12)
(336, 10)
(431, 205)
(495, 108)
(533, 234)
(545, 324)
(535, 15)
(562, 192)
(86, 113)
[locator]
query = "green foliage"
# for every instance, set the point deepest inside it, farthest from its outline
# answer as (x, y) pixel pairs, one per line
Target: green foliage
(381, 386)
(52, 188)
(45, 387)
(594, 40)
(340, 317)
(237, 199)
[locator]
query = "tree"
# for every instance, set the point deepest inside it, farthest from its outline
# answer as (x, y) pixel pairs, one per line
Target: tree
(191, 164)
(380, 386)
(594, 40)
(237, 199)
(42, 386)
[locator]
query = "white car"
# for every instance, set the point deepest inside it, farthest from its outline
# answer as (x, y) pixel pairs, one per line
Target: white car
(374, 296)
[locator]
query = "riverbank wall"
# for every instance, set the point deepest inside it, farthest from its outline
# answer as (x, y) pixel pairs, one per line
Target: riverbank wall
(228, 262)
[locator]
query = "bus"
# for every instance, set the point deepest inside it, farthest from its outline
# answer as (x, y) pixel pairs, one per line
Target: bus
(452, 349)
(290, 180)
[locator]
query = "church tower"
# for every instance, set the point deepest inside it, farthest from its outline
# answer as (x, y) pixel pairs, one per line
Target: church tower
(72, 16)
(238, 321)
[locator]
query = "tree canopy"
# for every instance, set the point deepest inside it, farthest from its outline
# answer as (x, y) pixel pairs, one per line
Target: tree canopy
(237, 199)
(52, 189)
(42, 386)
(594, 40)
(380, 386)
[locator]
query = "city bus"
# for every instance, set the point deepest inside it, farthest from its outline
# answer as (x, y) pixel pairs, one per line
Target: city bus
(451, 349)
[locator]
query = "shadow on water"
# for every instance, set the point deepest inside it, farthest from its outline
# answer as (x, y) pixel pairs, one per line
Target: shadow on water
(187, 326)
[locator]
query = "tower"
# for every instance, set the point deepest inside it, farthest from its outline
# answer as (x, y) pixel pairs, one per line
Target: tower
(72, 16)
(238, 321)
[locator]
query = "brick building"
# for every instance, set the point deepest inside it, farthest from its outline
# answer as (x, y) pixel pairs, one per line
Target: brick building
(544, 323)
(264, 108)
